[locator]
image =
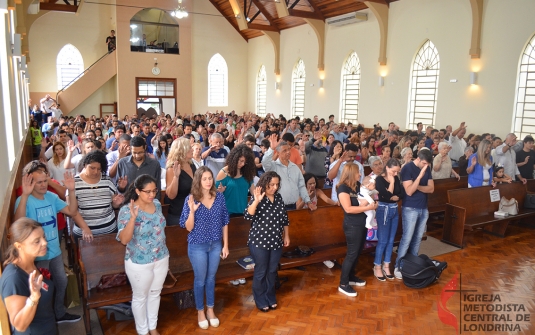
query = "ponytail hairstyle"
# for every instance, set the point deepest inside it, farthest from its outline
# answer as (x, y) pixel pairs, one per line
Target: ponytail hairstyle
(138, 184)
(392, 162)
(19, 231)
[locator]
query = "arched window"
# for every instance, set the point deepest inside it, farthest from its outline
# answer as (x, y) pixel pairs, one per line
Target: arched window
(217, 81)
(298, 89)
(524, 116)
(261, 91)
(350, 92)
(423, 86)
(69, 65)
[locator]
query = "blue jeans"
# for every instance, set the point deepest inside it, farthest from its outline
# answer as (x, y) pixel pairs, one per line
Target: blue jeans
(355, 237)
(204, 259)
(387, 225)
(59, 278)
(414, 221)
(265, 275)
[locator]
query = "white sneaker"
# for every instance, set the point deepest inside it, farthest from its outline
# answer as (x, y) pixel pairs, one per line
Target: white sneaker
(398, 274)
(329, 264)
(241, 281)
(235, 282)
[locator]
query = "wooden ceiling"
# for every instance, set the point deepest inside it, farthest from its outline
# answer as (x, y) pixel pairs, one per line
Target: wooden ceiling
(262, 14)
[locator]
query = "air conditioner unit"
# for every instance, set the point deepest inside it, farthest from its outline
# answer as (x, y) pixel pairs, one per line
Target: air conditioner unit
(349, 18)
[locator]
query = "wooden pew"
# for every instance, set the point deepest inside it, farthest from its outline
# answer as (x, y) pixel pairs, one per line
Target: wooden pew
(470, 208)
(321, 230)
(105, 255)
(436, 201)
(531, 185)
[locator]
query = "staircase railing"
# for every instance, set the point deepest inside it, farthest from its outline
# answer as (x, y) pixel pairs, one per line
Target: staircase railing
(81, 74)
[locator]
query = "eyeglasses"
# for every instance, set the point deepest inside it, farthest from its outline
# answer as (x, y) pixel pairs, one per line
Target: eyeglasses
(149, 191)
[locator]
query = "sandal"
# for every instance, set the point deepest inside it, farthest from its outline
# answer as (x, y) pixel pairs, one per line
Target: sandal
(265, 309)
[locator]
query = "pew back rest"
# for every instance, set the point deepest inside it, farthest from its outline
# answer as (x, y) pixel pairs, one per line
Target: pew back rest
(531, 185)
(322, 227)
(103, 256)
(437, 200)
(177, 243)
(476, 200)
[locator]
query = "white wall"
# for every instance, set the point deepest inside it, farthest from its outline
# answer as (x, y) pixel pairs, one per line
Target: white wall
(211, 35)
(87, 31)
(488, 107)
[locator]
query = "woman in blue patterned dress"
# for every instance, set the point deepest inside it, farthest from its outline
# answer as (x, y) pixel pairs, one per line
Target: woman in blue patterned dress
(205, 216)
(141, 228)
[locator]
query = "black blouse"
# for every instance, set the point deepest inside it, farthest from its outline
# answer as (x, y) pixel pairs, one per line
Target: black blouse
(350, 218)
(184, 188)
(14, 281)
(268, 223)
(381, 185)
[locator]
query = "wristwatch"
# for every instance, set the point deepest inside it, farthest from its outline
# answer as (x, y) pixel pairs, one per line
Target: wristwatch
(30, 302)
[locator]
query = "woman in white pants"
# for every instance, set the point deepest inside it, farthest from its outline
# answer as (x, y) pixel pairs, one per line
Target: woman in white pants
(141, 228)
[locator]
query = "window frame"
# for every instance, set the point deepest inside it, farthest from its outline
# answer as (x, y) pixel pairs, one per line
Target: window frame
(261, 91)
(223, 100)
(350, 62)
(298, 86)
(77, 68)
(525, 94)
(425, 66)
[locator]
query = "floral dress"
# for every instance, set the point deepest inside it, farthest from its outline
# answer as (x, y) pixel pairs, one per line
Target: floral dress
(148, 241)
(328, 183)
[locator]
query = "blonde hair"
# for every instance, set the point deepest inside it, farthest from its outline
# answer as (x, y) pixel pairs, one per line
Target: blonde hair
(56, 160)
(483, 159)
(350, 176)
(178, 152)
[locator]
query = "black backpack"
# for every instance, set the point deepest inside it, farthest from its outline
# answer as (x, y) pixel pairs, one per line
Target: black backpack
(420, 271)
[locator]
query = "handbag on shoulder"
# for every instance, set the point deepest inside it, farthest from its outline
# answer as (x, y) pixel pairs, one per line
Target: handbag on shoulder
(509, 206)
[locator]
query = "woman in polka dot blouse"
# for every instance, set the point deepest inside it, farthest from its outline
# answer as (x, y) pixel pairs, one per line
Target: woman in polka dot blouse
(268, 234)
(205, 215)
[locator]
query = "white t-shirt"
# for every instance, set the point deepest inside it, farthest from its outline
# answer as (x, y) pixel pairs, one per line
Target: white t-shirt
(56, 172)
(457, 147)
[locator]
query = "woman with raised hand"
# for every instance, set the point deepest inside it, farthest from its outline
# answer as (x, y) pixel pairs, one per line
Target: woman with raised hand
(480, 171)
(27, 292)
(178, 177)
(141, 228)
(56, 166)
(335, 152)
(205, 216)
(235, 181)
(268, 234)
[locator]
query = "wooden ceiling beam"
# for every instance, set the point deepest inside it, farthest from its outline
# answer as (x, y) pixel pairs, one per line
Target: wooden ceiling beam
(305, 15)
(263, 27)
(266, 13)
(214, 3)
(382, 2)
(316, 9)
(57, 8)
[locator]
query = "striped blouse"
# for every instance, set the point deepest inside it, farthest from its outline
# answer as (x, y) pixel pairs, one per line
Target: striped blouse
(94, 204)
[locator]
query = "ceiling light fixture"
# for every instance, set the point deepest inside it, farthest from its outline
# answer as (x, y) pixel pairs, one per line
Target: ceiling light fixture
(180, 11)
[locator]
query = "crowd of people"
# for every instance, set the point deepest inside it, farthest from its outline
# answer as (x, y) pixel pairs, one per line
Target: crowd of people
(214, 167)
